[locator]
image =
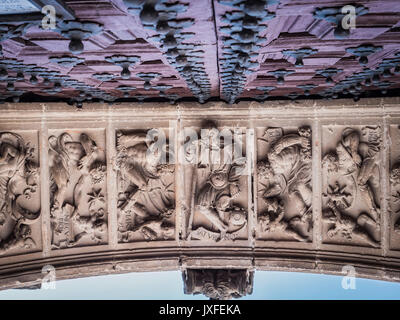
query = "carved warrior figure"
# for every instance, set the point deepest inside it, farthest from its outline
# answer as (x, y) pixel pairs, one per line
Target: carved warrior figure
(146, 189)
(287, 172)
(395, 185)
(77, 175)
(19, 192)
(218, 284)
(215, 198)
(354, 163)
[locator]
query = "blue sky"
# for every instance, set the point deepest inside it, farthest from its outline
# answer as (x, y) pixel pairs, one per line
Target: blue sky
(269, 285)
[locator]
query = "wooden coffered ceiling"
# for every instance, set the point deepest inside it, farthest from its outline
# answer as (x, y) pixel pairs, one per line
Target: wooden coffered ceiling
(149, 50)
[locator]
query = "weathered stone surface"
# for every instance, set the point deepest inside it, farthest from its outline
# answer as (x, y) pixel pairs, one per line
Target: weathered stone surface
(284, 188)
(146, 189)
(351, 187)
(20, 200)
(312, 187)
(78, 188)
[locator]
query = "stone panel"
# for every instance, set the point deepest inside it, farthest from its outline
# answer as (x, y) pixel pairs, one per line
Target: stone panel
(215, 168)
(146, 185)
(394, 178)
(352, 184)
(284, 184)
(20, 199)
(78, 187)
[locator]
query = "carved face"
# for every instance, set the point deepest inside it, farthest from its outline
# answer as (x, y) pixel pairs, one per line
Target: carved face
(395, 176)
(330, 163)
(75, 150)
(24, 231)
(305, 132)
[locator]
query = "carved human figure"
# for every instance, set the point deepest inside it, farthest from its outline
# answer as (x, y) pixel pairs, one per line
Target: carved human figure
(146, 196)
(395, 184)
(287, 172)
(357, 161)
(76, 167)
(19, 192)
(360, 159)
(215, 198)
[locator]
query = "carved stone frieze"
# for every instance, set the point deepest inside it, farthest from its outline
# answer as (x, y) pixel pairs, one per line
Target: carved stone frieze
(351, 186)
(146, 188)
(308, 186)
(284, 190)
(20, 203)
(78, 192)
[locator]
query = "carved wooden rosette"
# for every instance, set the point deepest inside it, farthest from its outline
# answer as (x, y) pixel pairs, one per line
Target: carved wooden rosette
(146, 186)
(20, 202)
(351, 185)
(78, 188)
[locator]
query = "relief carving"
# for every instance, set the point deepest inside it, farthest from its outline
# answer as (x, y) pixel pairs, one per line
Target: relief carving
(395, 181)
(217, 175)
(351, 185)
(395, 186)
(146, 189)
(218, 284)
(284, 186)
(19, 193)
(77, 190)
